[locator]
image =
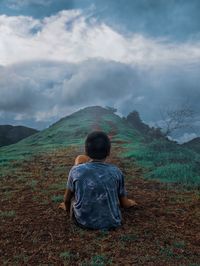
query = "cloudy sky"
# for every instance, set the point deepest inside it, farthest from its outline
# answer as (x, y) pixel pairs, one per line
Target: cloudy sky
(59, 56)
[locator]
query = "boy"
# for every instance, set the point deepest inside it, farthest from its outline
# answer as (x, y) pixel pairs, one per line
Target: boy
(98, 187)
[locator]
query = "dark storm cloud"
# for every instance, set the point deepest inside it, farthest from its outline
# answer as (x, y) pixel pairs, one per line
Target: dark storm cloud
(56, 89)
(98, 82)
(16, 93)
(28, 87)
(40, 86)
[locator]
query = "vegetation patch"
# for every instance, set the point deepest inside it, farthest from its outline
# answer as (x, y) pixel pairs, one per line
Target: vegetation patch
(98, 260)
(7, 214)
(57, 198)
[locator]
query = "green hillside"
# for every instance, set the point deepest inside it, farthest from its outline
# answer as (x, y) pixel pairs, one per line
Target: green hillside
(69, 131)
(193, 144)
(160, 158)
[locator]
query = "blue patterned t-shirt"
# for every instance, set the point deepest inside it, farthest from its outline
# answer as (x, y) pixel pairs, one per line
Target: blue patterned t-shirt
(97, 187)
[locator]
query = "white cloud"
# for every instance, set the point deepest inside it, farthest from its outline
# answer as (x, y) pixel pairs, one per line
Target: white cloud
(47, 114)
(186, 137)
(20, 117)
(71, 36)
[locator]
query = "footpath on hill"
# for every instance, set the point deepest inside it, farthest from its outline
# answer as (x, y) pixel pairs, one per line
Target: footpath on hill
(162, 230)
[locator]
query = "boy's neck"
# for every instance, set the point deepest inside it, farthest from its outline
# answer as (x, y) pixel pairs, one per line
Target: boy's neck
(98, 160)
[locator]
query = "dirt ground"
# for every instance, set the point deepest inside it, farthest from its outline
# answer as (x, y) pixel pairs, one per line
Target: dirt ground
(163, 230)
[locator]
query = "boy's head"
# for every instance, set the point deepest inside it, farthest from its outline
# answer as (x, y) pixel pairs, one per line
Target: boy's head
(97, 145)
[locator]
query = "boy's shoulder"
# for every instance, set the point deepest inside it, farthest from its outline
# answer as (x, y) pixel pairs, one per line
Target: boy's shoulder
(114, 167)
(91, 165)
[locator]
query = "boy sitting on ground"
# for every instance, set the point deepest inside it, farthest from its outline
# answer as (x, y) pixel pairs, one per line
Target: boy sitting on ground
(97, 187)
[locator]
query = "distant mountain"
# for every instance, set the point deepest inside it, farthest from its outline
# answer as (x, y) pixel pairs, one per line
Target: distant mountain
(193, 144)
(12, 134)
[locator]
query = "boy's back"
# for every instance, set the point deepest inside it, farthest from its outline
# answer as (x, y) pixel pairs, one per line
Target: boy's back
(97, 187)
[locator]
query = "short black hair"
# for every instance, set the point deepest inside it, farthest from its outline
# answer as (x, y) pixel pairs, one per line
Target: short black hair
(97, 145)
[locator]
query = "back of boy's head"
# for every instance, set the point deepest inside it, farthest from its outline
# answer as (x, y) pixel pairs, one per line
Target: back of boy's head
(97, 145)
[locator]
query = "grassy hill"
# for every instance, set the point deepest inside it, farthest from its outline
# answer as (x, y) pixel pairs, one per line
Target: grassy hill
(12, 134)
(67, 132)
(162, 230)
(160, 158)
(193, 144)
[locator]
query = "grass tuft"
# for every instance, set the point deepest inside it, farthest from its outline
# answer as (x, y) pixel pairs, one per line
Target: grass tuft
(57, 198)
(7, 214)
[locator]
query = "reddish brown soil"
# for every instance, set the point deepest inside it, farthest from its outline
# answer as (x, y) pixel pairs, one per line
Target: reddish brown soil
(163, 230)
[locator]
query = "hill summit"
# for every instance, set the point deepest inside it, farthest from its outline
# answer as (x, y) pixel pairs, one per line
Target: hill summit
(72, 129)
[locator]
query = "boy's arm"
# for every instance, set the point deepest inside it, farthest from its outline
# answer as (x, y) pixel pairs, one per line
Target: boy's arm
(126, 203)
(122, 194)
(69, 193)
(67, 199)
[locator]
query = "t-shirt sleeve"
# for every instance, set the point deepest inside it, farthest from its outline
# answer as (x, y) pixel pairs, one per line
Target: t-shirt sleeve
(70, 181)
(121, 186)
